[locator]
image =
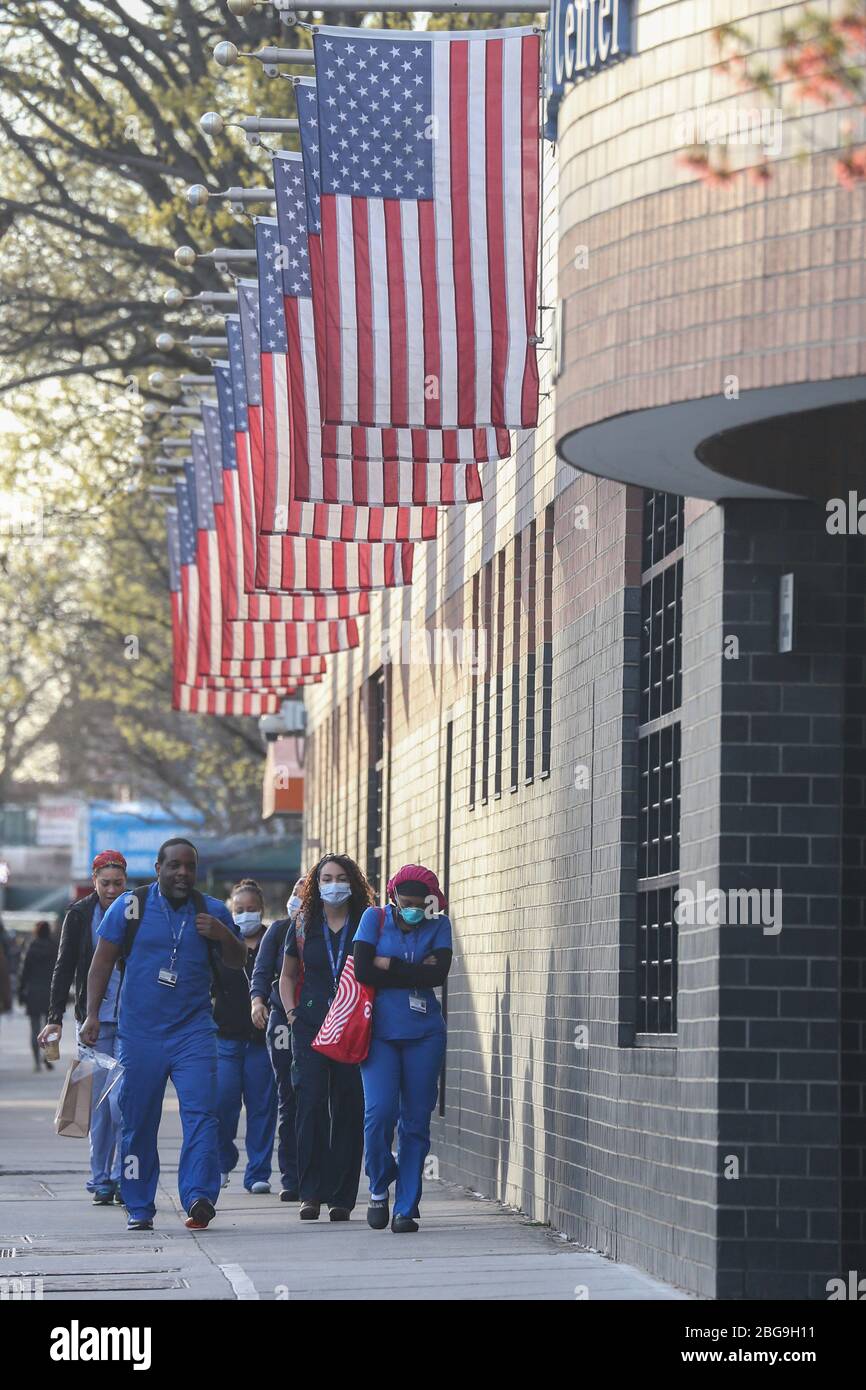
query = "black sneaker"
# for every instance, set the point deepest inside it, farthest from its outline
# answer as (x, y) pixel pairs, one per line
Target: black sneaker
(142, 1225)
(377, 1213)
(201, 1214)
(401, 1224)
(103, 1197)
(118, 1200)
(289, 1196)
(310, 1211)
(339, 1213)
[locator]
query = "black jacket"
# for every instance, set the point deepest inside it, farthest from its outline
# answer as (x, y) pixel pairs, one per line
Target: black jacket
(231, 1002)
(73, 960)
(34, 986)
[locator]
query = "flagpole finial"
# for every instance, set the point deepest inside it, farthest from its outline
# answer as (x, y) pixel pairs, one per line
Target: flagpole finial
(241, 8)
(185, 256)
(173, 298)
(157, 380)
(197, 195)
(164, 342)
(226, 54)
(211, 123)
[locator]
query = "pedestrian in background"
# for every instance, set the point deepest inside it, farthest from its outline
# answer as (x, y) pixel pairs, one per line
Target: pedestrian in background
(34, 986)
(268, 1014)
(405, 957)
(328, 1094)
(169, 937)
(78, 936)
(244, 1072)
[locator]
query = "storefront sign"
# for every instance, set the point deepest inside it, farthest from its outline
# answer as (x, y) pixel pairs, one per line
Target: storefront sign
(583, 36)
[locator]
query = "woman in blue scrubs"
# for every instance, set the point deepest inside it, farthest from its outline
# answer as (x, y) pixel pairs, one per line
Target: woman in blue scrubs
(244, 1073)
(405, 953)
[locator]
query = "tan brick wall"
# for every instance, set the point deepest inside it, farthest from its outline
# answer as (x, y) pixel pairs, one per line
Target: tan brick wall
(687, 284)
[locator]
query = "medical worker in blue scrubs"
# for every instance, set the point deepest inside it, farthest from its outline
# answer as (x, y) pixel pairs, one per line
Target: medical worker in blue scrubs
(166, 1027)
(406, 954)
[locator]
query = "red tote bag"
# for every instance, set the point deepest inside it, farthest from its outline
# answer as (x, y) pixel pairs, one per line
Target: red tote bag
(345, 1034)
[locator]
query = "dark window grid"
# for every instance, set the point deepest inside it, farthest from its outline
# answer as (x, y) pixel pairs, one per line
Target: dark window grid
(663, 521)
(473, 726)
(515, 662)
(661, 643)
(500, 674)
(531, 659)
(656, 962)
(547, 644)
(659, 804)
(375, 777)
(487, 620)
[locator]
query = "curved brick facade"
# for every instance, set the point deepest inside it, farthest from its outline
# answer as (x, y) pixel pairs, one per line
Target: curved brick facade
(684, 285)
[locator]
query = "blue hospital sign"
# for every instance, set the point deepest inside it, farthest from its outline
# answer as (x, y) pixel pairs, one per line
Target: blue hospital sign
(583, 36)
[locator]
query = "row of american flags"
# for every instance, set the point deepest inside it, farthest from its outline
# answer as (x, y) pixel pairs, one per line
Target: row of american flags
(381, 356)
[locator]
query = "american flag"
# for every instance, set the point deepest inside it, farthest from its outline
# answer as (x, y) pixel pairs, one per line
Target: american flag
(290, 394)
(429, 212)
(247, 387)
(432, 448)
(212, 640)
(191, 699)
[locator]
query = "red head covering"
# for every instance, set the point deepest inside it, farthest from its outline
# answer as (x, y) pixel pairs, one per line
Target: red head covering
(416, 873)
(108, 859)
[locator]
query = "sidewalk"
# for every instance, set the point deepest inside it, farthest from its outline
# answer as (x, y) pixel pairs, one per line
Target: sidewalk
(467, 1248)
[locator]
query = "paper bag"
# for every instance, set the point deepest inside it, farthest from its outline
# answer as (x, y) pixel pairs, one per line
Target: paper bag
(72, 1120)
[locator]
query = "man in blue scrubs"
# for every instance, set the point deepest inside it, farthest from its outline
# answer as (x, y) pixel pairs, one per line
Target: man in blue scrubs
(166, 1027)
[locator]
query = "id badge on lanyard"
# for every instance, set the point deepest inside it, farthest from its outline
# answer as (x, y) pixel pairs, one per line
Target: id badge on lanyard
(417, 1002)
(169, 977)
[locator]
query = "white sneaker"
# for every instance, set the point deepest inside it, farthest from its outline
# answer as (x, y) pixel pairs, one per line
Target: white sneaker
(260, 1187)
(224, 1179)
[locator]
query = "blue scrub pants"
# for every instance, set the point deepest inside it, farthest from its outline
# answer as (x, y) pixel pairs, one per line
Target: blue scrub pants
(401, 1080)
(281, 1061)
(189, 1058)
(104, 1118)
(245, 1075)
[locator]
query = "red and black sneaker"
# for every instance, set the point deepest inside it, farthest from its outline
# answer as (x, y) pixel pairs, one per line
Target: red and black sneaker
(200, 1215)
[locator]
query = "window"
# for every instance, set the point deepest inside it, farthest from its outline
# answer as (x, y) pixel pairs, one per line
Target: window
(376, 720)
(486, 619)
(659, 762)
(500, 672)
(473, 732)
(547, 644)
(515, 662)
(529, 769)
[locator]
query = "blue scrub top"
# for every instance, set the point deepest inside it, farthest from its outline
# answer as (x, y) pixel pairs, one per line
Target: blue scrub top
(392, 1017)
(146, 1006)
(108, 1007)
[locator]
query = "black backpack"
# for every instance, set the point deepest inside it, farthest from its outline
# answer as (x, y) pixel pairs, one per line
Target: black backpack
(133, 921)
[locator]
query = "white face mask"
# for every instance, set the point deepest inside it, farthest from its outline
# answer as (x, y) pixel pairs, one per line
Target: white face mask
(335, 893)
(293, 906)
(249, 922)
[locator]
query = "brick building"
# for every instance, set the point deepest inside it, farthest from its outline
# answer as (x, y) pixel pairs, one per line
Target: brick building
(601, 691)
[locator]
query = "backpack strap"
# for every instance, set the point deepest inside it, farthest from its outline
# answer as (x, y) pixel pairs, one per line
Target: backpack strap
(134, 911)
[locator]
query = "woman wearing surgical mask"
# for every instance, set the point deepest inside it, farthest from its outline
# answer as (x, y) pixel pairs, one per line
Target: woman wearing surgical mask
(328, 1096)
(405, 957)
(244, 1073)
(268, 1014)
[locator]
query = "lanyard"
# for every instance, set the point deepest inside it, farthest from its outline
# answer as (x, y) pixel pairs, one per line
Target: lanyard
(336, 966)
(176, 937)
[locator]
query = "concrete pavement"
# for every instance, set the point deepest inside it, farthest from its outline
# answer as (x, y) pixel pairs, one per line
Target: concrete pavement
(467, 1249)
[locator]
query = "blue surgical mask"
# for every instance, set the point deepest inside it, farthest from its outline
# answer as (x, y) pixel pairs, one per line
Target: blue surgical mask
(293, 906)
(335, 893)
(249, 922)
(412, 915)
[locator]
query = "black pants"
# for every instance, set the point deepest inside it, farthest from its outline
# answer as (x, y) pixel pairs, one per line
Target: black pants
(329, 1122)
(37, 1023)
(280, 1053)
